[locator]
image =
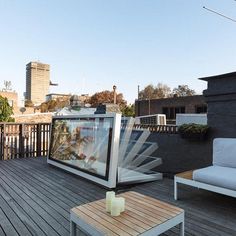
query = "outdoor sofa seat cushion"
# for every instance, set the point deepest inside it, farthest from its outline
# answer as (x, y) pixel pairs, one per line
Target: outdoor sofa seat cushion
(224, 152)
(219, 176)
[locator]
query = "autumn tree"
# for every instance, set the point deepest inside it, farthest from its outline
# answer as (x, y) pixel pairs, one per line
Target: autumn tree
(54, 104)
(5, 110)
(29, 103)
(162, 91)
(182, 91)
(152, 92)
(107, 97)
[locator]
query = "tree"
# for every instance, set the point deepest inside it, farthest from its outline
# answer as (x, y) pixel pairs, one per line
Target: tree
(162, 91)
(54, 104)
(29, 103)
(152, 92)
(107, 97)
(147, 92)
(128, 111)
(182, 91)
(5, 110)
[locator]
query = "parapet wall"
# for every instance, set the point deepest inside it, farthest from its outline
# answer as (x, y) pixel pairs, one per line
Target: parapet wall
(179, 154)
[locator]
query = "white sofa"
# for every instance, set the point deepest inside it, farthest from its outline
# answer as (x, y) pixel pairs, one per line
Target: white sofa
(221, 176)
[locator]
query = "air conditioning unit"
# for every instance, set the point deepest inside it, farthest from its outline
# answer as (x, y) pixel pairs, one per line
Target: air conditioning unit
(155, 119)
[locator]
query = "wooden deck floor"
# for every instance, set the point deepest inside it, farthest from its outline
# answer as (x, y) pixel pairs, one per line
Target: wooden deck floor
(35, 199)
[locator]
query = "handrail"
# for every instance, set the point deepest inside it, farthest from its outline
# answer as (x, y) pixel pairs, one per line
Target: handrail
(168, 129)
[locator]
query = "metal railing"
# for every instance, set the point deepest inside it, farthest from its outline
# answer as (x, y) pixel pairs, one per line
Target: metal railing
(168, 129)
(18, 140)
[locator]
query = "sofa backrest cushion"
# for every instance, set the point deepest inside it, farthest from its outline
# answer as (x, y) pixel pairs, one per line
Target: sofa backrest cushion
(224, 152)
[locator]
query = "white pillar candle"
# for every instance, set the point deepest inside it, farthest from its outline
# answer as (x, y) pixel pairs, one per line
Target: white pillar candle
(121, 203)
(115, 207)
(109, 196)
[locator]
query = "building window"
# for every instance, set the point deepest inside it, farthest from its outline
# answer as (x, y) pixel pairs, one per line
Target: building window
(201, 109)
(171, 112)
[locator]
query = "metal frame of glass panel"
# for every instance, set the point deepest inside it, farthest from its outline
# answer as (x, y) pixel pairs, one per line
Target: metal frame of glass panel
(68, 151)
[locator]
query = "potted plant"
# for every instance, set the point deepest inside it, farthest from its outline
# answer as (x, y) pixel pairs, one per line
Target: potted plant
(193, 131)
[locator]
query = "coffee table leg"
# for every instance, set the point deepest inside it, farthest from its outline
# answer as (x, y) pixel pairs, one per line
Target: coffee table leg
(181, 229)
(72, 228)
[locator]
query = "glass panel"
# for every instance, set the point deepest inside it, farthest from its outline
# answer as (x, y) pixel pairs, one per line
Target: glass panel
(136, 162)
(83, 143)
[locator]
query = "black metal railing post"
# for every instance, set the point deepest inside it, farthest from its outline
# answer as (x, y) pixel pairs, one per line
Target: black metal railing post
(38, 140)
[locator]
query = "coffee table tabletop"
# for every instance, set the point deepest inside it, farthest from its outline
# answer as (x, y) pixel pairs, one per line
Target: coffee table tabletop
(143, 215)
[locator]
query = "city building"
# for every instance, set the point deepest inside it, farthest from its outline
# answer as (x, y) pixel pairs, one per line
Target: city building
(37, 82)
(171, 106)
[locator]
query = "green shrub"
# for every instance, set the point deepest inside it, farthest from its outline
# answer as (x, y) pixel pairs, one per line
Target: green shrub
(5, 110)
(193, 129)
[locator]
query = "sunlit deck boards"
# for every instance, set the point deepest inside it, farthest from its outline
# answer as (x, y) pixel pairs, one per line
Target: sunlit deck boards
(35, 199)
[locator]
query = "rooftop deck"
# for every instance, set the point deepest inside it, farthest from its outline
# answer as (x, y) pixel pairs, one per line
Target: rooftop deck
(35, 199)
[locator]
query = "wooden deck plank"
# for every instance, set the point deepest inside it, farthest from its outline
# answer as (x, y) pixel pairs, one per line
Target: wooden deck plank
(127, 221)
(14, 218)
(46, 178)
(43, 204)
(135, 218)
(47, 228)
(102, 214)
(101, 221)
(206, 213)
(41, 191)
(6, 225)
(186, 174)
(49, 187)
(24, 217)
(97, 224)
(1, 231)
(70, 181)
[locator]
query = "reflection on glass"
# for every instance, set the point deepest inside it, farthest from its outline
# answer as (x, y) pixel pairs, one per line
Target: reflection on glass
(83, 143)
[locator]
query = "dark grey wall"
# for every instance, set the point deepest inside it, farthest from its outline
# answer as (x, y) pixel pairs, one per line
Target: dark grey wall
(220, 97)
(179, 154)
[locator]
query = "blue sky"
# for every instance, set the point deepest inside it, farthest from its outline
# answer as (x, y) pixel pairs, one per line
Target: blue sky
(93, 44)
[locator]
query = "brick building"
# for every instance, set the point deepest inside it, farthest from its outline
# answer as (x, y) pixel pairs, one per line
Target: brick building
(171, 106)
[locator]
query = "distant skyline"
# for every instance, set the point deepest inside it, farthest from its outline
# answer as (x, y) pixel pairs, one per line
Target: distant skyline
(93, 44)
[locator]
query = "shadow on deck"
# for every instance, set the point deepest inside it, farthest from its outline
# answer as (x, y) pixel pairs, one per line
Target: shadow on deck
(35, 199)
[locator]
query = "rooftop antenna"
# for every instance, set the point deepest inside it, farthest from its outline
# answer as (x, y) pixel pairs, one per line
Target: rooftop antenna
(7, 86)
(220, 14)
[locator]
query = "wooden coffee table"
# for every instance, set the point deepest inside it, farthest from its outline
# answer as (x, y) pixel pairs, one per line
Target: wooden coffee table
(143, 216)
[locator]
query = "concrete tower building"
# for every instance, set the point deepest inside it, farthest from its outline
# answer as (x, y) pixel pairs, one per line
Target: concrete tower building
(37, 82)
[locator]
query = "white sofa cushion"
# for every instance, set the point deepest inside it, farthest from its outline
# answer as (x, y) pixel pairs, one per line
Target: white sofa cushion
(224, 152)
(219, 176)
